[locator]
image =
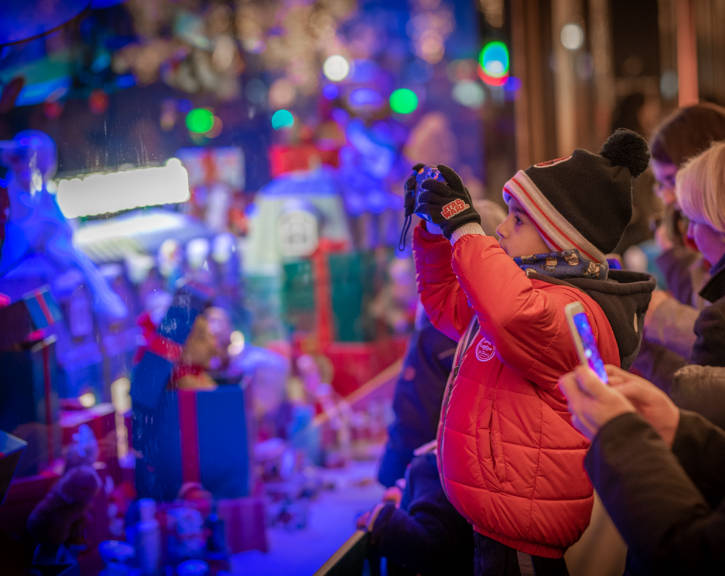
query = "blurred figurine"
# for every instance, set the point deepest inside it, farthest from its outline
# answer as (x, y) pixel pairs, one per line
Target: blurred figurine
(57, 521)
(198, 351)
(37, 228)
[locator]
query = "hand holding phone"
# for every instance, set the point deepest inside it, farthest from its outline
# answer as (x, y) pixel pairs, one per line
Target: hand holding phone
(584, 341)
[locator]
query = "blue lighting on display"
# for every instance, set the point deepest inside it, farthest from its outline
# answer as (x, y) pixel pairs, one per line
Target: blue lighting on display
(364, 97)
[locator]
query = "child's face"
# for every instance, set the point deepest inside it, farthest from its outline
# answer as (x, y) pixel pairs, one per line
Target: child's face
(518, 235)
(664, 174)
(708, 240)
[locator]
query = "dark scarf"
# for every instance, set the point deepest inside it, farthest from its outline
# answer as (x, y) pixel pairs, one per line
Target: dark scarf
(564, 264)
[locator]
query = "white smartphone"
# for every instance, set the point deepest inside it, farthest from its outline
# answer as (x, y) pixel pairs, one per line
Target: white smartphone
(586, 345)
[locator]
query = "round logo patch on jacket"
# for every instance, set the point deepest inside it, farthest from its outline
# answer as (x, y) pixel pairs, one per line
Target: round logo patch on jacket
(485, 350)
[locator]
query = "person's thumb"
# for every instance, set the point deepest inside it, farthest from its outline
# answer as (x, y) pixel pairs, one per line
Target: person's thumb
(634, 391)
(588, 381)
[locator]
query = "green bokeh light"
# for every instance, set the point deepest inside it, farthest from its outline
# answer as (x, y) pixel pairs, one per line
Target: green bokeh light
(403, 101)
(200, 120)
(494, 59)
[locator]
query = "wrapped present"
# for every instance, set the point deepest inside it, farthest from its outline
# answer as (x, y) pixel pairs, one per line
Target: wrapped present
(244, 523)
(101, 419)
(21, 319)
(10, 450)
(29, 402)
(307, 156)
(22, 496)
(151, 375)
(196, 436)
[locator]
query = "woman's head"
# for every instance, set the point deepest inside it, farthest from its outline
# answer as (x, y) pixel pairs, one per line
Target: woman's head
(700, 190)
(681, 136)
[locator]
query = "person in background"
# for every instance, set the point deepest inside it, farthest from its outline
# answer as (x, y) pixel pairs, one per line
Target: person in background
(669, 322)
(638, 112)
(419, 389)
(681, 136)
(418, 530)
(658, 470)
(510, 461)
(700, 194)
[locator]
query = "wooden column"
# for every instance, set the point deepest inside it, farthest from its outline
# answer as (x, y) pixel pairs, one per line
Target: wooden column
(686, 53)
(535, 137)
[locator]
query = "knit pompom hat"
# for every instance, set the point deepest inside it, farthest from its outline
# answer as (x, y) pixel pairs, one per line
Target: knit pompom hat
(583, 201)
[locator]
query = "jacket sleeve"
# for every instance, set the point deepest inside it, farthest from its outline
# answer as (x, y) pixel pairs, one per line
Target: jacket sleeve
(710, 336)
(700, 447)
(665, 520)
(440, 292)
(657, 364)
(701, 389)
(674, 264)
(673, 326)
(418, 540)
(526, 323)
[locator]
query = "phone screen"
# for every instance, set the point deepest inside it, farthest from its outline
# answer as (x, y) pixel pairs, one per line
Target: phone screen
(589, 345)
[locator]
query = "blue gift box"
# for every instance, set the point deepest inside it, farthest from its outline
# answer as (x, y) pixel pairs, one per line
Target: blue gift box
(34, 311)
(29, 402)
(10, 450)
(194, 436)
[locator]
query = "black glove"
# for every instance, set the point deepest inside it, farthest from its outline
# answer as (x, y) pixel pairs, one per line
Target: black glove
(448, 204)
(410, 191)
(409, 204)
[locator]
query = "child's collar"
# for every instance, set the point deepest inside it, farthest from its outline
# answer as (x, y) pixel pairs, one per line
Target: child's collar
(565, 264)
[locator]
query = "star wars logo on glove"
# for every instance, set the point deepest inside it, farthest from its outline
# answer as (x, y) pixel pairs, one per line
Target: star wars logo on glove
(453, 208)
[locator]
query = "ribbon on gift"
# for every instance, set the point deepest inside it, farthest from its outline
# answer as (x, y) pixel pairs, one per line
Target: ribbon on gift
(42, 308)
(156, 343)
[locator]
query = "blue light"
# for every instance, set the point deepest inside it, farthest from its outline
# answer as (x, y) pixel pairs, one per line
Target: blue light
(364, 97)
(40, 91)
(331, 91)
(125, 81)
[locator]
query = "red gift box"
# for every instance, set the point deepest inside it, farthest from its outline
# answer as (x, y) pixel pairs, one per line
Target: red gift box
(244, 523)
(23, 495)
(101, 419)
(284, 159)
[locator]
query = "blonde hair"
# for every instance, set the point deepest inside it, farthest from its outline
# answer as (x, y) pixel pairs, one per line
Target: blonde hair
(700, 187)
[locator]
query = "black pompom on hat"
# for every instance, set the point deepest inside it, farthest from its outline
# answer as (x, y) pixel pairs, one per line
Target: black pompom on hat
(583, 201)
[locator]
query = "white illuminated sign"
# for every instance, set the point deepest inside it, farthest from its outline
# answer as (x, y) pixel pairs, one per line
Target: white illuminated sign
(106, 193)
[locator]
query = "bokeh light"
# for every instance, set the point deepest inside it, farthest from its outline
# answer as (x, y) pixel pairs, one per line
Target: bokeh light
(200, 120)
(281, 93)
(403, 101)
(282, 119)
(494, 59)
(668, 84)
(469, 93)
(336, 68)
(571, 36)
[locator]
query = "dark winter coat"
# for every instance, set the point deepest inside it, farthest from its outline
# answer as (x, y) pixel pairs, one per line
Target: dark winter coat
(417, 398)
(668, 505)
(425, 535)
(701, 389)
(659, 361)
(709, 347)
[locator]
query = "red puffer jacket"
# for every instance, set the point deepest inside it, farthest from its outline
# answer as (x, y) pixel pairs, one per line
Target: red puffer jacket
(510, 460)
